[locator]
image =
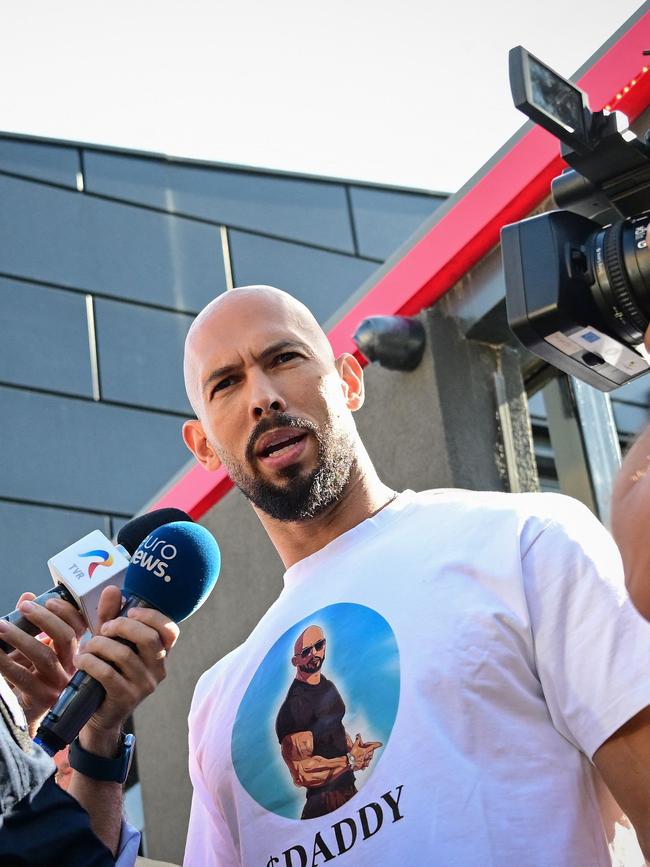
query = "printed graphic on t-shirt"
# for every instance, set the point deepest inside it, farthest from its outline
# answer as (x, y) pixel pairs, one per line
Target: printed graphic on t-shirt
(318, 713)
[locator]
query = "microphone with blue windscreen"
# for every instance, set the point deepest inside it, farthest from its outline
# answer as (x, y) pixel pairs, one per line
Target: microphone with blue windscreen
(73, 568)
(173, 570)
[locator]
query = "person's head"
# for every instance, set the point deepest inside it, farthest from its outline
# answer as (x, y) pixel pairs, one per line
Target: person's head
(309, 650)
(273, 405)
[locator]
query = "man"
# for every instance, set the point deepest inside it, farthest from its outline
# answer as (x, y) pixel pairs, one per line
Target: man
(41, 824)
(317, 750)
(631, 516)
(519, 663)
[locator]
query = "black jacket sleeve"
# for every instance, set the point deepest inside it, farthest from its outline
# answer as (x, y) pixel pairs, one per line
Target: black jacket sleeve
(49, 828)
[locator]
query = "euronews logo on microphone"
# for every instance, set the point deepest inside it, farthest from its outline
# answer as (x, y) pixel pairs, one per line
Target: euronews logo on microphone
(85, 568)
(155, 555)
(186, 556)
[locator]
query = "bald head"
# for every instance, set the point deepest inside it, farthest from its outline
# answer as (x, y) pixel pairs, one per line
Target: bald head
(307, 638)
(235, 316)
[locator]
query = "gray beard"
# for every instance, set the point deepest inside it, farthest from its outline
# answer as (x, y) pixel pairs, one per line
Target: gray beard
(303, 496)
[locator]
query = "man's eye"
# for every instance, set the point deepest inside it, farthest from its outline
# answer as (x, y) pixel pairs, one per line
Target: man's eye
(283, 357)
(222, 384)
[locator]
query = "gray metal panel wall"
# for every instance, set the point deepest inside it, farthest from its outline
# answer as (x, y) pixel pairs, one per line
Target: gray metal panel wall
(46, 162)
(306, 210)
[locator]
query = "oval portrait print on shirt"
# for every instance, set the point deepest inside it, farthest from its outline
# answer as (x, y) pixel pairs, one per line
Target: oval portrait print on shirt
(318, 713)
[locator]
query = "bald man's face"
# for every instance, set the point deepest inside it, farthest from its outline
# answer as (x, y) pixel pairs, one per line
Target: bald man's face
(309, 651)
(272, 404)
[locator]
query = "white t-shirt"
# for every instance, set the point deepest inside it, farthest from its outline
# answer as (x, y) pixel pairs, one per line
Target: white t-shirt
(485, 640)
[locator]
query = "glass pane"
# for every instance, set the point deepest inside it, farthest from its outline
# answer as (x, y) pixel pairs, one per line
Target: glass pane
(44, 338)
(141, 355)
(75, 240)
(45, 162)
(384, 220)
(323, 281)
(85, 455)
(305, 210)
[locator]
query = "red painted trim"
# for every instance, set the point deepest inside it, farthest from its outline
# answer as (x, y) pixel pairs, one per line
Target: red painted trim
(196, 491)
(508, 191)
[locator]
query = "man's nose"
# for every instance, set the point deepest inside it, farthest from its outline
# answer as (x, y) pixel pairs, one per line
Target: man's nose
(265, 398)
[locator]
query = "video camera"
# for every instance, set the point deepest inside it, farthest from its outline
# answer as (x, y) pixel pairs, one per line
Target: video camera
(578, 279)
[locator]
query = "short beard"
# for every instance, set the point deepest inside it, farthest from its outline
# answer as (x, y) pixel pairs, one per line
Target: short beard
(311, 667)
(303, 497)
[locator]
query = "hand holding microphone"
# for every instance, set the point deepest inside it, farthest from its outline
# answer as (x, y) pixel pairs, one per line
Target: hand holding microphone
(83, 569)
(126, 661)
(40, 669)
(127, 658)
(170, 576)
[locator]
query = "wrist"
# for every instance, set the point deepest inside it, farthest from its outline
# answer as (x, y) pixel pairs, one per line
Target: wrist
(100, 741)
(113, 769)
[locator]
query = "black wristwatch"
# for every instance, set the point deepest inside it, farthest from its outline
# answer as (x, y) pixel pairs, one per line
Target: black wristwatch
(99, 767)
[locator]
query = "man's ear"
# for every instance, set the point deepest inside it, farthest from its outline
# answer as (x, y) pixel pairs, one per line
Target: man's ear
(351, 374)
(195, 439)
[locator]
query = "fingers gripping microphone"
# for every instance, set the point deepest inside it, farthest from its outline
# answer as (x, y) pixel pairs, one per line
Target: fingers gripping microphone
(173, 570)
(18, 618)
(82, 570)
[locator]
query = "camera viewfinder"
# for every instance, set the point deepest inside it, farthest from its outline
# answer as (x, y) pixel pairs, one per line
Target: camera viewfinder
(548, 99)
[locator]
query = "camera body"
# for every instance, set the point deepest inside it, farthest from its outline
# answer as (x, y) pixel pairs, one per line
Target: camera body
(578, 278)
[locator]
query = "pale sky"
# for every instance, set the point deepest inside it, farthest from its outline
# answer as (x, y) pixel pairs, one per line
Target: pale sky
(413, 93)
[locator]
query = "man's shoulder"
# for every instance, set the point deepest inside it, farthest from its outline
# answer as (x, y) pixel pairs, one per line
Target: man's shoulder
(296, 695)
(546, 506)
(212, 680)
(529, 517)
(296, 687)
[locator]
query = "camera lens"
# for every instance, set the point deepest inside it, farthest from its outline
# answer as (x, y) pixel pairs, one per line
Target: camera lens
(620, 263)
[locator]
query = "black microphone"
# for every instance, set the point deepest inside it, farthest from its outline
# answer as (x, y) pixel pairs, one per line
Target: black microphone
(173, 571)
(75, 568)
(135, 531)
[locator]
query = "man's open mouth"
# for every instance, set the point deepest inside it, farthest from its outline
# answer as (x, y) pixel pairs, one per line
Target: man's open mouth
(278, 442)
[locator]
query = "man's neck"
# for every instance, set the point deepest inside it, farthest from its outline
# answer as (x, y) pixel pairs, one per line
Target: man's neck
(364, 495)
(305, 677)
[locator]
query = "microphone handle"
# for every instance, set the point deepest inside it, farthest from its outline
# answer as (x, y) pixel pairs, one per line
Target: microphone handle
(18, 618)
(65, 720)
(78, 701)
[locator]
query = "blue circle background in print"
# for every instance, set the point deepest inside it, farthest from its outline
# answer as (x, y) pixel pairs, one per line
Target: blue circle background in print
(362, 661)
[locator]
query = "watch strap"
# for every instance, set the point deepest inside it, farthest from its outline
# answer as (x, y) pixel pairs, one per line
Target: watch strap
(96, 767)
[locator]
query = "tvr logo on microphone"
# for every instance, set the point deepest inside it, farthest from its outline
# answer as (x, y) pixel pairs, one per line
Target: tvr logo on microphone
(77, 568)
(154, 555)
(80, 572)
(106, 559)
